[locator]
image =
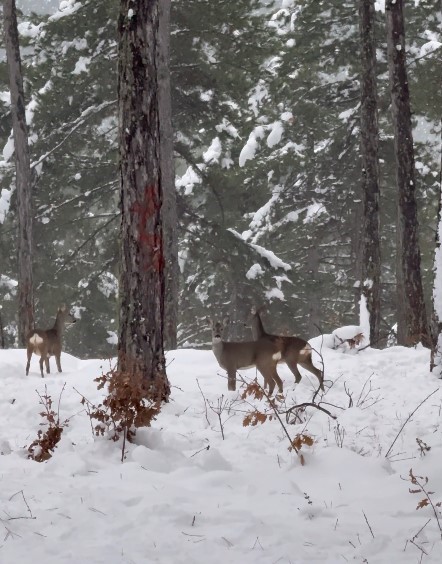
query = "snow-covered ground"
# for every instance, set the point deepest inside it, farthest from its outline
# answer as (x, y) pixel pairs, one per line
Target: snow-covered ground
(246, 499)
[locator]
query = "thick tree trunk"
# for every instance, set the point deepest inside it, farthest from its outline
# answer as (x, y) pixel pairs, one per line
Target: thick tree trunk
(371, 254)
(412, 322)
(169, 209)
(142, 282)
(23, 173)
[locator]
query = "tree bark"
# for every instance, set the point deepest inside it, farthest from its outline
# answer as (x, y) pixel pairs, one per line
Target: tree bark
(371, 253)
(412, 322)
(436, 325)
(142, 280)
(23, 173)
(169, 209)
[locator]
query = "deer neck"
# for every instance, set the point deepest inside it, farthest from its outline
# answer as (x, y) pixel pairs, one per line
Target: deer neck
(217, 348)
(59, 324)
(257, 327)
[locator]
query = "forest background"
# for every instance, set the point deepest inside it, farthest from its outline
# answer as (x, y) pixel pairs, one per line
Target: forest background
(267, 149)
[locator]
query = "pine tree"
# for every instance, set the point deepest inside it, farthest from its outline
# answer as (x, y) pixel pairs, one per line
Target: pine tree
(142, 279)
(412, 322)
(23, 174)
(371, 259)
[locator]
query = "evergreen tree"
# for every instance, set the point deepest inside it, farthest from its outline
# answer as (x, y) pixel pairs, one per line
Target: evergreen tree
(142, 280)
(23, 176)
(412, 322)
(371, 259)
(266, 121)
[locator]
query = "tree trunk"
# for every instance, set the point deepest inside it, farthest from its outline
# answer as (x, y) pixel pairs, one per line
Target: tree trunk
(142, 280)
(313, 258)
(371, 253)
(169, 209)
(436, 326)
(412, 322)
(23, 173)
(436, 333)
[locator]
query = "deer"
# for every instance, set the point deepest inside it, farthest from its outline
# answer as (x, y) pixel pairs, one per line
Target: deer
(294, 350)
(47, 342)
(232, 356)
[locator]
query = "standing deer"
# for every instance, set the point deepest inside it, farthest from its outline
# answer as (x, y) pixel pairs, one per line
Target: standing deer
(262, 353)
(47, 342)
(294, 350)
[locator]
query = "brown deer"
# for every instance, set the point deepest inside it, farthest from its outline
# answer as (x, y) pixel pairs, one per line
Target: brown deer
(294, 350)
(47, 342)
(232, 356)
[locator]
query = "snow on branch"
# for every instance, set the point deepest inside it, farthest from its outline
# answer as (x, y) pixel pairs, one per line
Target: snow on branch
(270, 256)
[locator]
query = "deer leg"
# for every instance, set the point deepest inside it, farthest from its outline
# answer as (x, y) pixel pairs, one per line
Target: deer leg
(271, 377)
(48, 370)
(308, 365)
(57, 360)
(277, 380)
(41, 365)
(231, 380)
(294, 369)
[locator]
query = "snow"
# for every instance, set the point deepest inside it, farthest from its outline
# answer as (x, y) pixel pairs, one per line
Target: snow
(275, 294)
(257, 97)
(226, 126)
(5, 97)
(8, 149)
(380, 5)
(249, 149)
(348, 332)
(364, 315)
(183, 494)
(213, 153)
(107, 284)
(273, 260)
(5, 198)
(314, 211)
(254, 272)
(112, 339)
(28, 29)
(81, 65)
(66, 8)
(276, 131)
(188, 180)
(7, 282)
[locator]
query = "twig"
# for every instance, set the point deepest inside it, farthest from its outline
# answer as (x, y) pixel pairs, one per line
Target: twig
(414, 480)
(408, 419)
(419, 547)
(368, 524)
(26, 503)
(124, 443)
(59, 401)
(88, 405)
(205, 401)
(310, 404)
(80, 121)
(201, 450)
(88, 240)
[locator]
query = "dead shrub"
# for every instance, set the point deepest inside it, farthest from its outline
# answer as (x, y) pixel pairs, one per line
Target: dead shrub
(43, 446)
(127, 406)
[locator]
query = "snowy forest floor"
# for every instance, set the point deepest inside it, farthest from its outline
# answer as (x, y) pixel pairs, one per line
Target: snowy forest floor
(247, 499)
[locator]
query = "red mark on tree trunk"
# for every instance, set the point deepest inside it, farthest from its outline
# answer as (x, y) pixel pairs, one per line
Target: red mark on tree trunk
(146, 216)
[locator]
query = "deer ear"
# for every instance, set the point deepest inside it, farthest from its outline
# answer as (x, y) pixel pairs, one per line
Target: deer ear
(226, 320)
